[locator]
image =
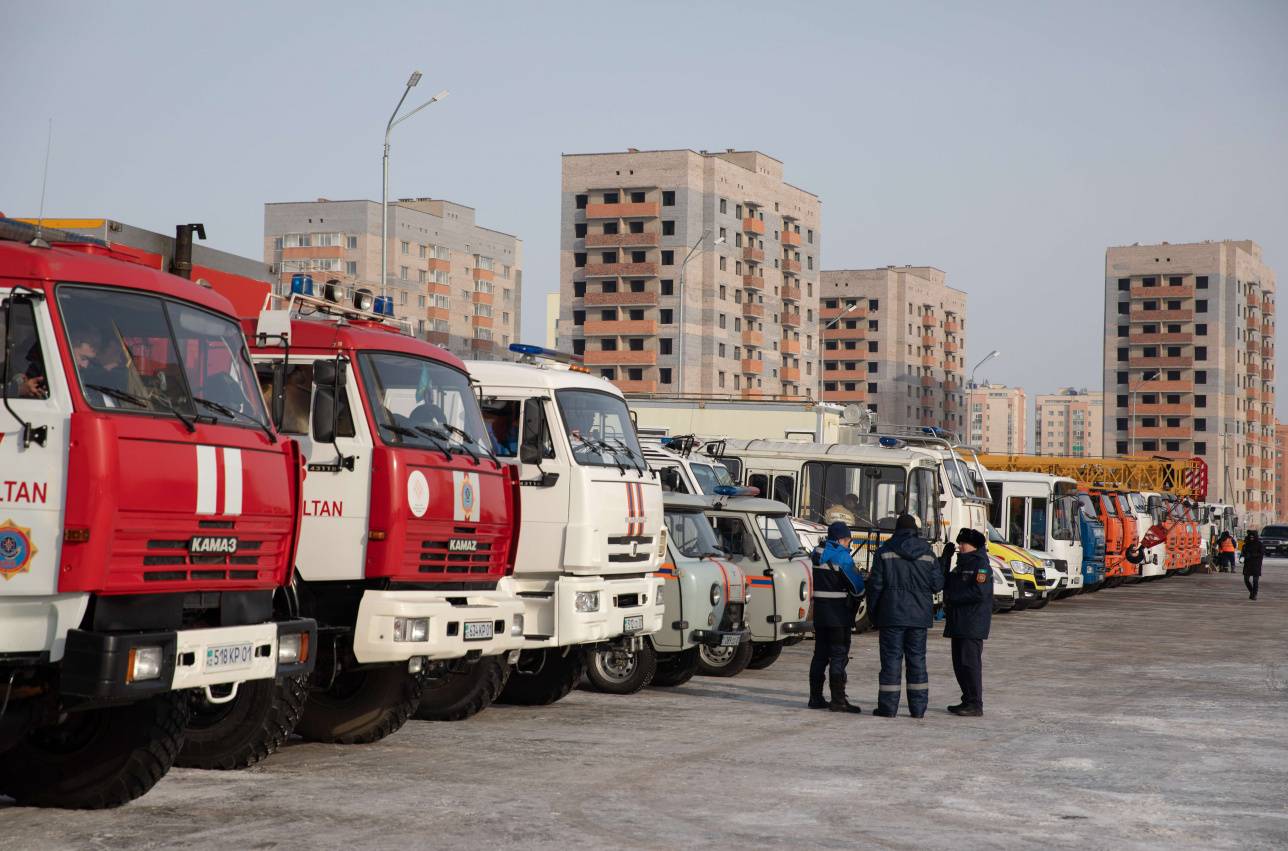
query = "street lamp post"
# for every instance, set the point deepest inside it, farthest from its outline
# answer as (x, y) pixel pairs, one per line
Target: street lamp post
(1131, 397)
(683, 297)
(394, 121)
(988, 357)
(823, 348)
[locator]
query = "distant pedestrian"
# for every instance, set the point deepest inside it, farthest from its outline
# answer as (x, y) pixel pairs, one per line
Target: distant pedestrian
(1225, 552)
(904, 579)
(1253, 553)
(837, 588)
(968, 604)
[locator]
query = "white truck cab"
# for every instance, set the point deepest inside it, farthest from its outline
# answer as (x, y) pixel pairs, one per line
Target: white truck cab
(1039, 513)
(592, 534)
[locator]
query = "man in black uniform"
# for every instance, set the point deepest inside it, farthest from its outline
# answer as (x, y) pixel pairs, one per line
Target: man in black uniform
(968, 605)
(837, 584)
(904, 580)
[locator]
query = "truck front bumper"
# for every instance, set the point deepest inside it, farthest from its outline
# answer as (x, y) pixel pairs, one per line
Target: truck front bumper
(100, 665)
(716, 637)
(626, 606)
(489, 622)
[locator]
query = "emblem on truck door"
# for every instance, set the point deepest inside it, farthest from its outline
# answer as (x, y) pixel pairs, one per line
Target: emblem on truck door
(16, 549)
(417, 493)
(465, 487)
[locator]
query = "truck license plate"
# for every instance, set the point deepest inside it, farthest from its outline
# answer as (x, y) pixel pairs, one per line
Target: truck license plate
(478, 630)
(230, 657)
(730, 640)
(634, 623)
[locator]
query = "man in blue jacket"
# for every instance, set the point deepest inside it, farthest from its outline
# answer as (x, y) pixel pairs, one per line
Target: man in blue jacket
(968, 604)
(837, 586)
(905, 577)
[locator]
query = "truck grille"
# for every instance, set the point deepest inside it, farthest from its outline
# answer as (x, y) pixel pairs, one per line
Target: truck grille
(153, 552)
(464, 550)
(629, 549)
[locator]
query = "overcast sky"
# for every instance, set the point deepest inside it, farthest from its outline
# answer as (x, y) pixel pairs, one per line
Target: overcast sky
(1006, 143)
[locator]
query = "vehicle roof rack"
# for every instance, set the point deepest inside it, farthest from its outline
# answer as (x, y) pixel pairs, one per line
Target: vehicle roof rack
(303, 306)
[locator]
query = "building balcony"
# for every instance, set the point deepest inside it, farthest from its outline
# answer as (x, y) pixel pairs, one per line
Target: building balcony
(790, 319)
(752, 393)
(1161, 433)
(480, 297)
(836, 373)
(928, 381)
(1142, 315)
(314, 252)
(437, 265)
(839, 395)
(791, 265)
(1162, 339)
(626, 357)
(1162, 410)
(790, 293)
(753, 225)
(751, 308)
(620, 327)
(637, 210)
(443, 314)
(1267, 330)
(753, 255)
(481, 321)
(752, 366)
(928, 320)
(478, 344)
(928, 340)
(1162, 293)
(636, 388)
(790, 237)
(438, 338)
(753, 338)
(790, 347)
(620, 270)
(828, 313)
(1182, 386)
(929, 360)
(790, 373)
(1142, 362)
(626, 298)
(950, 404)
(480, 274)
(753, 282)
(951, 346)
(837, 332)
(1253, 393)
(952, 326)
(622, 240)
(1254, 299)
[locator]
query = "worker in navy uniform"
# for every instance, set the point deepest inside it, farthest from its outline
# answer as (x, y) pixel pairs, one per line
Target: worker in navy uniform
(837, 586)
(904, 580)
(968, 604)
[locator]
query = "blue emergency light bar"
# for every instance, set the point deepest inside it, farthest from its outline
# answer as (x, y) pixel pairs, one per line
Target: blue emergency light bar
(891, 442)
(542, 352)
(301, 285)
(735, 490)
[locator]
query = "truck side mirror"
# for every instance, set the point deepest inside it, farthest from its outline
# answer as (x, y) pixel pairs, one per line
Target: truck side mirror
(325, 414)
(328, 373)
(529, 454)
(277, 410)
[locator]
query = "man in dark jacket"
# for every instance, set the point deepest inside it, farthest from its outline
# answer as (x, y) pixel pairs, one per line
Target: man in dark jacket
(1253, 553)
(968, 604)
(837, 584)
(905, 577)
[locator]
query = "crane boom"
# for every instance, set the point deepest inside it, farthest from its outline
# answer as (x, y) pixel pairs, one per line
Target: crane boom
(1185, 478)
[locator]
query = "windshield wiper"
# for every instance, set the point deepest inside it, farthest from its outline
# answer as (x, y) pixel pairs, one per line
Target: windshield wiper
(439, 439)
(638, 462)
(146, 404)
(232, 414)
(466, 439)
(603, 449)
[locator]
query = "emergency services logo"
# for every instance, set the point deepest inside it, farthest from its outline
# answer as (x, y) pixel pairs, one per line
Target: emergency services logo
(466, 506)
(16, 549)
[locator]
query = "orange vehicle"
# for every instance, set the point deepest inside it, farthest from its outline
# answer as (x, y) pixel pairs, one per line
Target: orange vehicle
(1111, 518)
(1131, 572)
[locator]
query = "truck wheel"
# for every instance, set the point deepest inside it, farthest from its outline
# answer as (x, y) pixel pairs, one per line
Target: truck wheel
(543, 676)
(765, 654)
(362, 706)
(724, 661)
(97, 758)
(245, 730)
(621, 671)
(461, 694)
(676, 669)
(1040, 603)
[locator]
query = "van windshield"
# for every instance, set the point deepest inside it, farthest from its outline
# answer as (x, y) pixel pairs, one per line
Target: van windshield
(780, 536)
(599, 429)
(706, 477)
(422, 403)
(690, 534)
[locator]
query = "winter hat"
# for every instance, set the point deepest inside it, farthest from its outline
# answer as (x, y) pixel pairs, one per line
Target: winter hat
(974, 537)
(838, 531)
(906, 521)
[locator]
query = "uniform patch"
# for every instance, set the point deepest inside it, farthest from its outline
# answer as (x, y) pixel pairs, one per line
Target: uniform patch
(465, 487)
(16, 549)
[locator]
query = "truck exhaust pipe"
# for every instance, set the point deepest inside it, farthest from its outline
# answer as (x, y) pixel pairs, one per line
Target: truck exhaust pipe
(181, 264)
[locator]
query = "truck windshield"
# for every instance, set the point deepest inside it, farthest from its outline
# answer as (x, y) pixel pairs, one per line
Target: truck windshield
(1138, 504)
(599, 429)
(1088, 507)
(959, 478)
(691, 534)
(143, 353)
(423, 403)
(1063, 526)
(780, 536)
(865, 496)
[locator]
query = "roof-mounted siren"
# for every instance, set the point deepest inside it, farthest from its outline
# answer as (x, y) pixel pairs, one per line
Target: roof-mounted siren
(383, 306)
(890, 442)
(332, 291)
(735, 490)
(530, 354)
(363, 299)
(301, 284)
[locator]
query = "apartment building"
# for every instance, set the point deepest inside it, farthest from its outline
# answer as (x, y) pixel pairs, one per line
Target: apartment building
(457, 284)
(894, 340)
(690, 272)
(1069, 422)
(998, 419)
(1281, 472)
(1189, 363)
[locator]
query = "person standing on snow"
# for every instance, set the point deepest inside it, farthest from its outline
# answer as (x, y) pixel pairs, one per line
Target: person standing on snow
(837, 585)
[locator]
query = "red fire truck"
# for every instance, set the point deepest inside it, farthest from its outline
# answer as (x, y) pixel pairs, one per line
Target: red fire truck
(147, 520)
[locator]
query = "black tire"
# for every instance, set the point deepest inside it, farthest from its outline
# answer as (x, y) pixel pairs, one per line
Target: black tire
(1040, 603)
(676, 669)
(621, 672)
(765, 654)
(543, 677)
(462, 694)
(724, 661)
(362, 706)
(247, 729)
(97, 758)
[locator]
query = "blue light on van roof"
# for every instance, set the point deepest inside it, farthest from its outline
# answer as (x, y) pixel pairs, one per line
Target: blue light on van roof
(301, 284)
(735, 490)
(891, 442)
(529, 349)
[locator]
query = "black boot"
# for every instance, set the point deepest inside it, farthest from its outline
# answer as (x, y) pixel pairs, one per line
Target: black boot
(844, 705)
(816, 701)
(967, 710)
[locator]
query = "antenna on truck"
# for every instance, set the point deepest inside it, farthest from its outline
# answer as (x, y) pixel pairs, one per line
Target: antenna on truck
(39, 241)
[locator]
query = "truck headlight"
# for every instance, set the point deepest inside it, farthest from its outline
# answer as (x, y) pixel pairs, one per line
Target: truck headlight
(715, 594)
(661, 543)
(586, 601)
(411, 629)
(144, 664)
(292, 648)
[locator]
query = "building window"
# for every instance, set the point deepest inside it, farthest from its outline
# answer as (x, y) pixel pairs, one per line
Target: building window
(668, 287)
(664, 345)
(404, 247)
(1200, 376)
(612, 198)
(1200, 401)
(1200, 447)
(668, 228)
(664, 317)
(1201, 282)
(579, 346)
(809, 236)
(582, 201)
(724, 266)
(668, 258)
(1200, 352)
(637, 197)
(1122, 354)
(1122, 447)
(664, 375)
(1124, 284)
(1201, 329)
(1122, 400)
(579, 259)
(351, 242)
(579, 230)
(351, 268)
(1201, 305)
(1200, 424)
(578, 318)
(668, 198)
(403, 272)
(578, 289)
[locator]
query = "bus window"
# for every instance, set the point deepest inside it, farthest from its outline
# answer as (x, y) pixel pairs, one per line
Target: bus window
(785, 490)
(1062, 525)
(995, 507)
(865, 496)
(922, 502)
(1037, 524)
(1015, 521)
(760, 481)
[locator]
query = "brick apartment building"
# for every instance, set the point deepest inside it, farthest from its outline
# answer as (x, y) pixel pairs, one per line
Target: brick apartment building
(998, 420)
(1189, 363)
(894, 340)
(459, 285)
(1281, 472)
(1069, 422)
(748, 326)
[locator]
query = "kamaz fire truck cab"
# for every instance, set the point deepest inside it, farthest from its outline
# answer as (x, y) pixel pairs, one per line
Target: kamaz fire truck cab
(406, 531)
(147, 521)
(592, 532)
